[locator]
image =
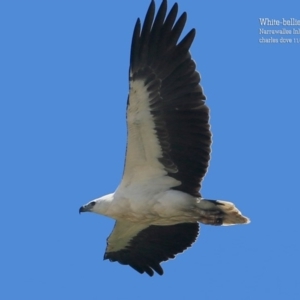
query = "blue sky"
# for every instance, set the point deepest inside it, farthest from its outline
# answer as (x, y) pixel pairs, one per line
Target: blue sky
(63, 74)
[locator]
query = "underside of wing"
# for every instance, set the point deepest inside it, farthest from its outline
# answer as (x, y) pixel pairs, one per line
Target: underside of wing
(145, 248)
(168, 129)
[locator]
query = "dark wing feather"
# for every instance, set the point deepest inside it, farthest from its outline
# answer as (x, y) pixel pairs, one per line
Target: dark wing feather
(176, 101)
(155, 244)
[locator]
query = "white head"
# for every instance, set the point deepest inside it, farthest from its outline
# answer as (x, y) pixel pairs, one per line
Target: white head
(98, 206)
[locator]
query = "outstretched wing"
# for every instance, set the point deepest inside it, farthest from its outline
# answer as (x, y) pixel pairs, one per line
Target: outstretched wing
(144, 247)
(167, 119)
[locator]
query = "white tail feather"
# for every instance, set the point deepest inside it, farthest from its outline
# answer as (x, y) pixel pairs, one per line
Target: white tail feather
(226, 211)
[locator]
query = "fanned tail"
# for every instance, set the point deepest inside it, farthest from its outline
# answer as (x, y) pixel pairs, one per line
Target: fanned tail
(217, 212)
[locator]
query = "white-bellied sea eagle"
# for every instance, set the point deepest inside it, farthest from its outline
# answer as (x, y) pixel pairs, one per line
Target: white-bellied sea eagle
(158, 206)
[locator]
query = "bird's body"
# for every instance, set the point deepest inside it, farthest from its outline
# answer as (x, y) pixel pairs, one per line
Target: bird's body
(164, 207)
(157, 205)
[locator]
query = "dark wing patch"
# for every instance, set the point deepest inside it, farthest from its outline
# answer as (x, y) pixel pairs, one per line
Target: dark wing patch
(176, 99)
(155, 244)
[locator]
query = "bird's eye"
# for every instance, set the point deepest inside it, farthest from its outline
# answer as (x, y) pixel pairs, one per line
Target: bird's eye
(93, 203)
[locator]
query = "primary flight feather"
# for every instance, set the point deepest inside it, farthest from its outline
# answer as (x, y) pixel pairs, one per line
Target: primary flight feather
(158, 206)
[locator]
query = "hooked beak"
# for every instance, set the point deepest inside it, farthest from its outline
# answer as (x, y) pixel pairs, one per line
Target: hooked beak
(83, 209)
(87, 207)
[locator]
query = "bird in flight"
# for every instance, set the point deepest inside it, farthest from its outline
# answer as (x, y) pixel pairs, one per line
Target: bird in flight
(158, 206)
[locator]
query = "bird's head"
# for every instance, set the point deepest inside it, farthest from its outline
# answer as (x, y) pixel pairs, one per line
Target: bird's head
(98, 206)
(89, 207)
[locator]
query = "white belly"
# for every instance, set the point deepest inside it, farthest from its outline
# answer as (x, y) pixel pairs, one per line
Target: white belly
(144, 205)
